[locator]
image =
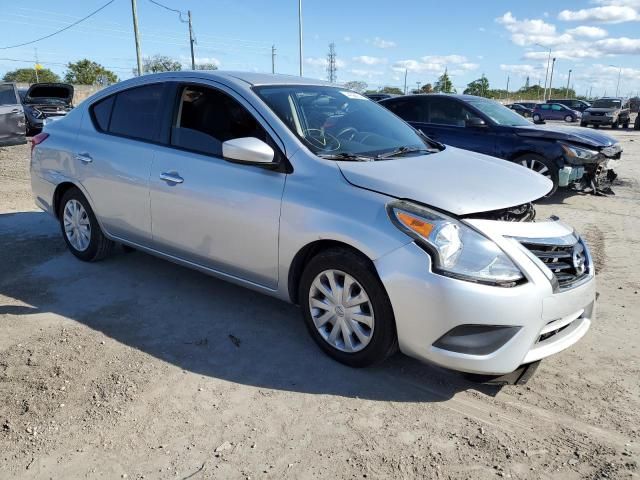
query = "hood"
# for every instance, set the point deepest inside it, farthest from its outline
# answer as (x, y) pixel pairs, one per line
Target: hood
(586, 136)
(38, 92)
(454, 180)
(602, 109)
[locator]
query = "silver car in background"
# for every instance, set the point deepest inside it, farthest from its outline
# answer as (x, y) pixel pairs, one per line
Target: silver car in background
(318, 196)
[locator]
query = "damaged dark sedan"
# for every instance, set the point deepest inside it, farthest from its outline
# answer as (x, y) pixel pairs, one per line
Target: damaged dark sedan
(44, 101)
(568, 156)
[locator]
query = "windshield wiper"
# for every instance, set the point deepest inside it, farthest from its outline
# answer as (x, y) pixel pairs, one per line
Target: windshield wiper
(438, 145)
(404, 150)
(351, 157)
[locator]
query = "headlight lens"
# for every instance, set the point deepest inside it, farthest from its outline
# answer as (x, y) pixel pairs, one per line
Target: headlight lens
(578, 153)
(609, 114)
(458, 250)
(36, 113)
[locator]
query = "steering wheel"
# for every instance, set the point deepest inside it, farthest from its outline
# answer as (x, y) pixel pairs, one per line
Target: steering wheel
(348, 133)
(321, 140)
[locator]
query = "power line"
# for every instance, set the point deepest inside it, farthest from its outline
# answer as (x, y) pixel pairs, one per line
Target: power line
(61, 30)
(179, 12)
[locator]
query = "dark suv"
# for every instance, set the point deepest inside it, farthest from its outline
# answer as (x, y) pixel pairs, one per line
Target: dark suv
(566, 155)
(607, 111)
(572, 103)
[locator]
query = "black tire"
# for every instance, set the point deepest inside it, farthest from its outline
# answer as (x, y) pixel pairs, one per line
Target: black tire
(614, 125)
(536, 118)
(384, 341)
(570, 117)
(552, 169)
(625, 125)
(584, 124)
(99, 245)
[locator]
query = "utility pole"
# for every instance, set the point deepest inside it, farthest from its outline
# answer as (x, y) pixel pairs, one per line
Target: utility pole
(300, 32)
(191, 41)
(546, 75)
(590, 90)
(566, 92)
(37, 65)
(418, 83)
(508, 78)
(405, 81)
(331, 63)
(134, 10)
(273, 59)
(553, 64)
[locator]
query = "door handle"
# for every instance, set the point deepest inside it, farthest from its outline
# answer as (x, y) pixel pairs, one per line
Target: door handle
(84, 157)
(171, 177)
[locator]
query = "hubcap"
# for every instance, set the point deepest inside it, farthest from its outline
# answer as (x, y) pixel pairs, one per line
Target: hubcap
(341, 311)
(536, 166)
(77, 227)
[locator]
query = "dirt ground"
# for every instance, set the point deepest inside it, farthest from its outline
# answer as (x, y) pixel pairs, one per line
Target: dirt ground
(137, 368)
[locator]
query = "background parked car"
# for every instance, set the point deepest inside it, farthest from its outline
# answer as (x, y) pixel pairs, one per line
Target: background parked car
(529, 105)
(521, 109)
(612, 111)
(637, 124)
(45, 100)
(572, 103)
(12, 127)
(565, 155)
(555, 111)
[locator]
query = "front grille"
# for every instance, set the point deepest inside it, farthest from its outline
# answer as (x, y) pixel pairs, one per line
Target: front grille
(596, 114)
(568, 263)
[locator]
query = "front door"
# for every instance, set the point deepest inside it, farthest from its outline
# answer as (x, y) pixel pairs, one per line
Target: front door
(210, 211)
(12, 123)
(446, 121)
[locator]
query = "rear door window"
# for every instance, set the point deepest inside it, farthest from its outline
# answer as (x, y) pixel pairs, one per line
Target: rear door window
(555, 107)
(410, 110)
(102, 113)
(8, 94)
(137, 111)
(445, 111)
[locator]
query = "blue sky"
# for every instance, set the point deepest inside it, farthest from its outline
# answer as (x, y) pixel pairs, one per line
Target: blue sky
(375, 41)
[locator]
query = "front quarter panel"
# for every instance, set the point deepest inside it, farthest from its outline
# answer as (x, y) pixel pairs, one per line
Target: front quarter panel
(319, 204)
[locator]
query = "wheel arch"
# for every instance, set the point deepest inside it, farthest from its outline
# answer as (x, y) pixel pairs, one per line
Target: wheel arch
(306, 253)
(59, 192)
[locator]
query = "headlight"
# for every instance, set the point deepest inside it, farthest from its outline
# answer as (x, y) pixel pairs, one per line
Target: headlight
(36, 113)
(458, 250)
(581, 154)
(608, 114)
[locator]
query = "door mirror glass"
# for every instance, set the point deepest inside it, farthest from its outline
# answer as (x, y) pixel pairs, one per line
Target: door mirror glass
(475, 122)
(248, 149)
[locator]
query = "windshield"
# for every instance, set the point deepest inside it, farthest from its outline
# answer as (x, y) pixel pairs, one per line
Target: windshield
(606, 103)
(499, 113)
(335, 123)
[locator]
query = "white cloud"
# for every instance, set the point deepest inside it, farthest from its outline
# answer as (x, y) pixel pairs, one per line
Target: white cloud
(622, 45)
(381, 43)
(322, 62)
(605, 14)
(532, 31)
(588, 32)
(436, 63)
(364, 73)
(367, 60)
(201, 60)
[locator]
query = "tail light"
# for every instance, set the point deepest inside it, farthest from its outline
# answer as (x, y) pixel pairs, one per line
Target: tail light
(38, 139)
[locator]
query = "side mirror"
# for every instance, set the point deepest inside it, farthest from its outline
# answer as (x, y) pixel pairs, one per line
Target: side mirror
(475, 122)
(249, 150)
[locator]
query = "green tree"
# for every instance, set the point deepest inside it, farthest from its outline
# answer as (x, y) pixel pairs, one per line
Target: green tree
(356, 85)
(28, 75)
(391, 90)
(159, 63)
(206, 66)
(86, 72)
(444, 84)
(426, 88)
(479, 87)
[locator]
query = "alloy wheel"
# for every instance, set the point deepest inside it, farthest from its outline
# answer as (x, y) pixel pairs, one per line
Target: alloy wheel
(537, 166)
(341, 311)
(77, 226)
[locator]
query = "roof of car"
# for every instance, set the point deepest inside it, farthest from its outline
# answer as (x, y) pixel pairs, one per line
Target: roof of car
(251, 78)
(459, 96)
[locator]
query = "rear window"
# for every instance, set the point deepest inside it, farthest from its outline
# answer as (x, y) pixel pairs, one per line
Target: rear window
(136, 112)
(7, 95)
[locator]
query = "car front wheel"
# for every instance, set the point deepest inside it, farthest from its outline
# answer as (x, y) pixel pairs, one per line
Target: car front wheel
(80, 229)
(568, 118)
(537, 118)
(543, 166)
(346, 308)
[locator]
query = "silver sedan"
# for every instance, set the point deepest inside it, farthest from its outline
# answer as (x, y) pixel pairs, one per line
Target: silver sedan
(316, 195)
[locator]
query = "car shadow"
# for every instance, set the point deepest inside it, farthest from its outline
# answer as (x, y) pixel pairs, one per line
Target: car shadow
(193, 321)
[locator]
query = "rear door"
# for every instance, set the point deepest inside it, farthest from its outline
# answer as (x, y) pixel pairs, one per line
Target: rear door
(12, 124)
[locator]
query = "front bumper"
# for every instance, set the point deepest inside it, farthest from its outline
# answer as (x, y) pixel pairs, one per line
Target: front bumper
(428, 305)
(597, 120)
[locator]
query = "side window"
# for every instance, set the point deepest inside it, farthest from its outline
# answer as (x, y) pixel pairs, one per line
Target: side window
(101, 112)
(545, 106)
(136, 112)
(444, 111)
(556, 108)
(406, 109)
(207, 117)
(7, 94)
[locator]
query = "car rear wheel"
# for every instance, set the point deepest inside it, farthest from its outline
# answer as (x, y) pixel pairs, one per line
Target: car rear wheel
(346, 308)
(80, 229)
(569, 118)
(537, 117)
(541, 165)
(625, 125)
